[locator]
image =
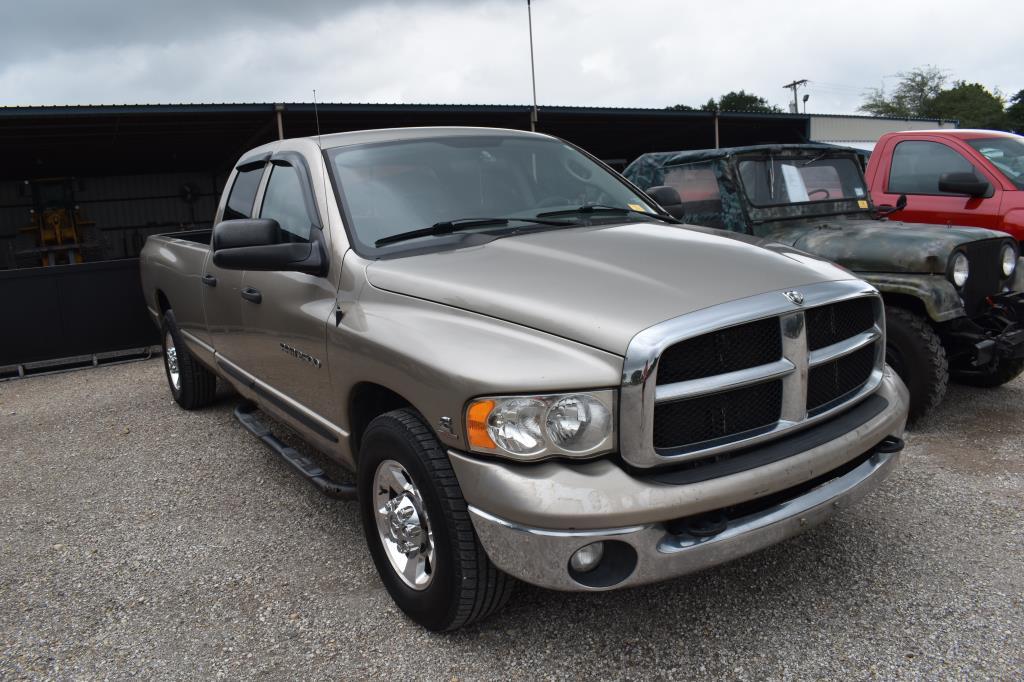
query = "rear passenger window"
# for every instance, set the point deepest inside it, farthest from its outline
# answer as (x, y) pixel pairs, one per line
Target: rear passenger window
(917, 165)
(243, 194)
(285, 201)
(697, 187)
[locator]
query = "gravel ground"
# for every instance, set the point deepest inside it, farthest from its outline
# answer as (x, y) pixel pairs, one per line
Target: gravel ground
(140, 540)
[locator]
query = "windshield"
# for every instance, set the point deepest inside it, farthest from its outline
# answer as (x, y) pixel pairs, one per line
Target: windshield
(788, 180)
(393, 188)
(1006, 154)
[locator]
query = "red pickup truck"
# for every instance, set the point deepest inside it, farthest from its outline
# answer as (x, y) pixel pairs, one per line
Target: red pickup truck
(952, 177)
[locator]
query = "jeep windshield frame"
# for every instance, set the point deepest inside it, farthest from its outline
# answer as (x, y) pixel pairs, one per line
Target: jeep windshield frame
(793, 179)
(389, 187)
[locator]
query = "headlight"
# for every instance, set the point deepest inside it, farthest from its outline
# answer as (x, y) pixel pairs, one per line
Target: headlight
(535, 427)
(1009, 260)
(960, 270)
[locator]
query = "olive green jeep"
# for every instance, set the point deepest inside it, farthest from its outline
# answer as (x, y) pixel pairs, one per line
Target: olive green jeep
(952, 294)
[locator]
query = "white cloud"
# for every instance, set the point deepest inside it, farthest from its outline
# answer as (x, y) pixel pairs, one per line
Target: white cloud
(598, 53)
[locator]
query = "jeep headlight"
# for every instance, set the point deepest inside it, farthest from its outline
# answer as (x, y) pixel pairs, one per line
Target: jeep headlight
(535, 427)
(1009, 260)
(959, 270)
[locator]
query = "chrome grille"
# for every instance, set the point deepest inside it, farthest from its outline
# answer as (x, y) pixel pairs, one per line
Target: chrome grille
(833, 381)
(732, 375)
(719, 415)
(727, 350)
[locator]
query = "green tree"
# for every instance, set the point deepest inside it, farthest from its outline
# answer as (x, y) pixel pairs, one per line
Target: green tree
(970, 103)
(732, 101)
(741, 101)
(1015, 113)
(911, 96)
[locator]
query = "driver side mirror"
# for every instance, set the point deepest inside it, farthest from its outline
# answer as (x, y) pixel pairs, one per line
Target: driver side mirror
(964, 183)
(668, 198)
(254, 245)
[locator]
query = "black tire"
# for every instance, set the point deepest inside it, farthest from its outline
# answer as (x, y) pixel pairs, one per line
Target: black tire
(996, 374)
(196, 386)
(915, 352)
(464, 586)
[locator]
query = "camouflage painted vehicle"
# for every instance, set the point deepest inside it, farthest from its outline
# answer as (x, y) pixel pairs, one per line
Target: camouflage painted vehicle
(953, 306)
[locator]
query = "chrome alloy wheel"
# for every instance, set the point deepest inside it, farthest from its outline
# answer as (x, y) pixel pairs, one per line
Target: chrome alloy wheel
(172, 361)
(402, 525)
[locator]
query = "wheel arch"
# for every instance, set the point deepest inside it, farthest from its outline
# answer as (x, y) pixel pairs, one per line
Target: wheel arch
(936, 298)
(368, 400)
(163, 304)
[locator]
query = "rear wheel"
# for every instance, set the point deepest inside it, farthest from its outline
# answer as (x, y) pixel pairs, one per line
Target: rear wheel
(192, 385)
(998, 373)
(916, 354)
(418, 528)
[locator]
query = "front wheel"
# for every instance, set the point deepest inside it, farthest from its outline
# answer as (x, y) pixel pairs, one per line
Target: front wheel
(418, 528)
(996, 374)
(916, 354)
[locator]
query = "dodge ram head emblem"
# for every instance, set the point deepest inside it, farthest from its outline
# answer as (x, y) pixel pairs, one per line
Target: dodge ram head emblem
(795, 297)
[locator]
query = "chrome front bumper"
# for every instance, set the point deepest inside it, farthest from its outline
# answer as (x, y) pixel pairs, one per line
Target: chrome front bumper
(541, 557)
(531, 520)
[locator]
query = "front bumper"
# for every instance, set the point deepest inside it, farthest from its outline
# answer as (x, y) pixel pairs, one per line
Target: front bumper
(996, 334)
(531, 519)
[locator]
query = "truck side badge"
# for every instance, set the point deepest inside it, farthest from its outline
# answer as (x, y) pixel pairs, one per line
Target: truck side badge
(445, 424)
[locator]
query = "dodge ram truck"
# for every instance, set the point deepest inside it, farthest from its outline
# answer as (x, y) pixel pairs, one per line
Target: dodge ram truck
(529, 376)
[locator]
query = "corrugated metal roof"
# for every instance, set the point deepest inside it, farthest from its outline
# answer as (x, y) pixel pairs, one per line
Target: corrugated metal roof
(229, 107)
(256, 107)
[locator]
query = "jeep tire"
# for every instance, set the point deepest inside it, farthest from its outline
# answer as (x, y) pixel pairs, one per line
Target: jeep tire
(916, 354)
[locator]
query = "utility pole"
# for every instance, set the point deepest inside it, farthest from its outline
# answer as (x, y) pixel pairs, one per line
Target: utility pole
(533, 73)
(795, 107)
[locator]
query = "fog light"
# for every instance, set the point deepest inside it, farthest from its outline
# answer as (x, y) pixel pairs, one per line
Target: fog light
(587, 558)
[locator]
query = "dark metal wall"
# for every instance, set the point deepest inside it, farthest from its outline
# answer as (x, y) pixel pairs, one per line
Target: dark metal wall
(72, 310)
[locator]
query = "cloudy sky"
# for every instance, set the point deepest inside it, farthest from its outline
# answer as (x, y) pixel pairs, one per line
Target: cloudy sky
(642, 53)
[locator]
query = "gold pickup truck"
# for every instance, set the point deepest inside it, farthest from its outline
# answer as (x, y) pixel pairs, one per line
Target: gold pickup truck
(531, 369)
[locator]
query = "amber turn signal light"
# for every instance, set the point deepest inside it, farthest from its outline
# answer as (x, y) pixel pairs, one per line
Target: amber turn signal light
(476, 424)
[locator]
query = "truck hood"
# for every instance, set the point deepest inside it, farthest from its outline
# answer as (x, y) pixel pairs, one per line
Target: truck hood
(866, 245)
(601, 285)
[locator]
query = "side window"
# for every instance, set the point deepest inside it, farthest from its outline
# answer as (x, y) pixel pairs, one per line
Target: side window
(917, 165)
(697, 187)
(285, 202)
(243, 194)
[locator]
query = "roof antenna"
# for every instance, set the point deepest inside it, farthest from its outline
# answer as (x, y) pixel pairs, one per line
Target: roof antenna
(323, 171)
(316, 115)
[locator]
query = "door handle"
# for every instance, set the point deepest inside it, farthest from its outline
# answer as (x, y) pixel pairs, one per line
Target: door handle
(251, 294)
(209, 280)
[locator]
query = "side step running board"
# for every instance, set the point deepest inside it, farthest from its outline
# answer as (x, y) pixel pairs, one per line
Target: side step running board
(310, 470)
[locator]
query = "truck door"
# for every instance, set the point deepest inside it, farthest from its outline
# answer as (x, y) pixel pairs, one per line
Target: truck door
(285, 314)
(222, 288)
(914, 170)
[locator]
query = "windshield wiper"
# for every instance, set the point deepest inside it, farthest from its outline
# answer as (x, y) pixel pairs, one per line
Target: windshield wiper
(451, 226)
(603, 208)
(811, 160)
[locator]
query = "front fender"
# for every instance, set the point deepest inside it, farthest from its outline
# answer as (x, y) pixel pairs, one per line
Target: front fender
(938, 295)
(1013, 223)
(438, 357)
